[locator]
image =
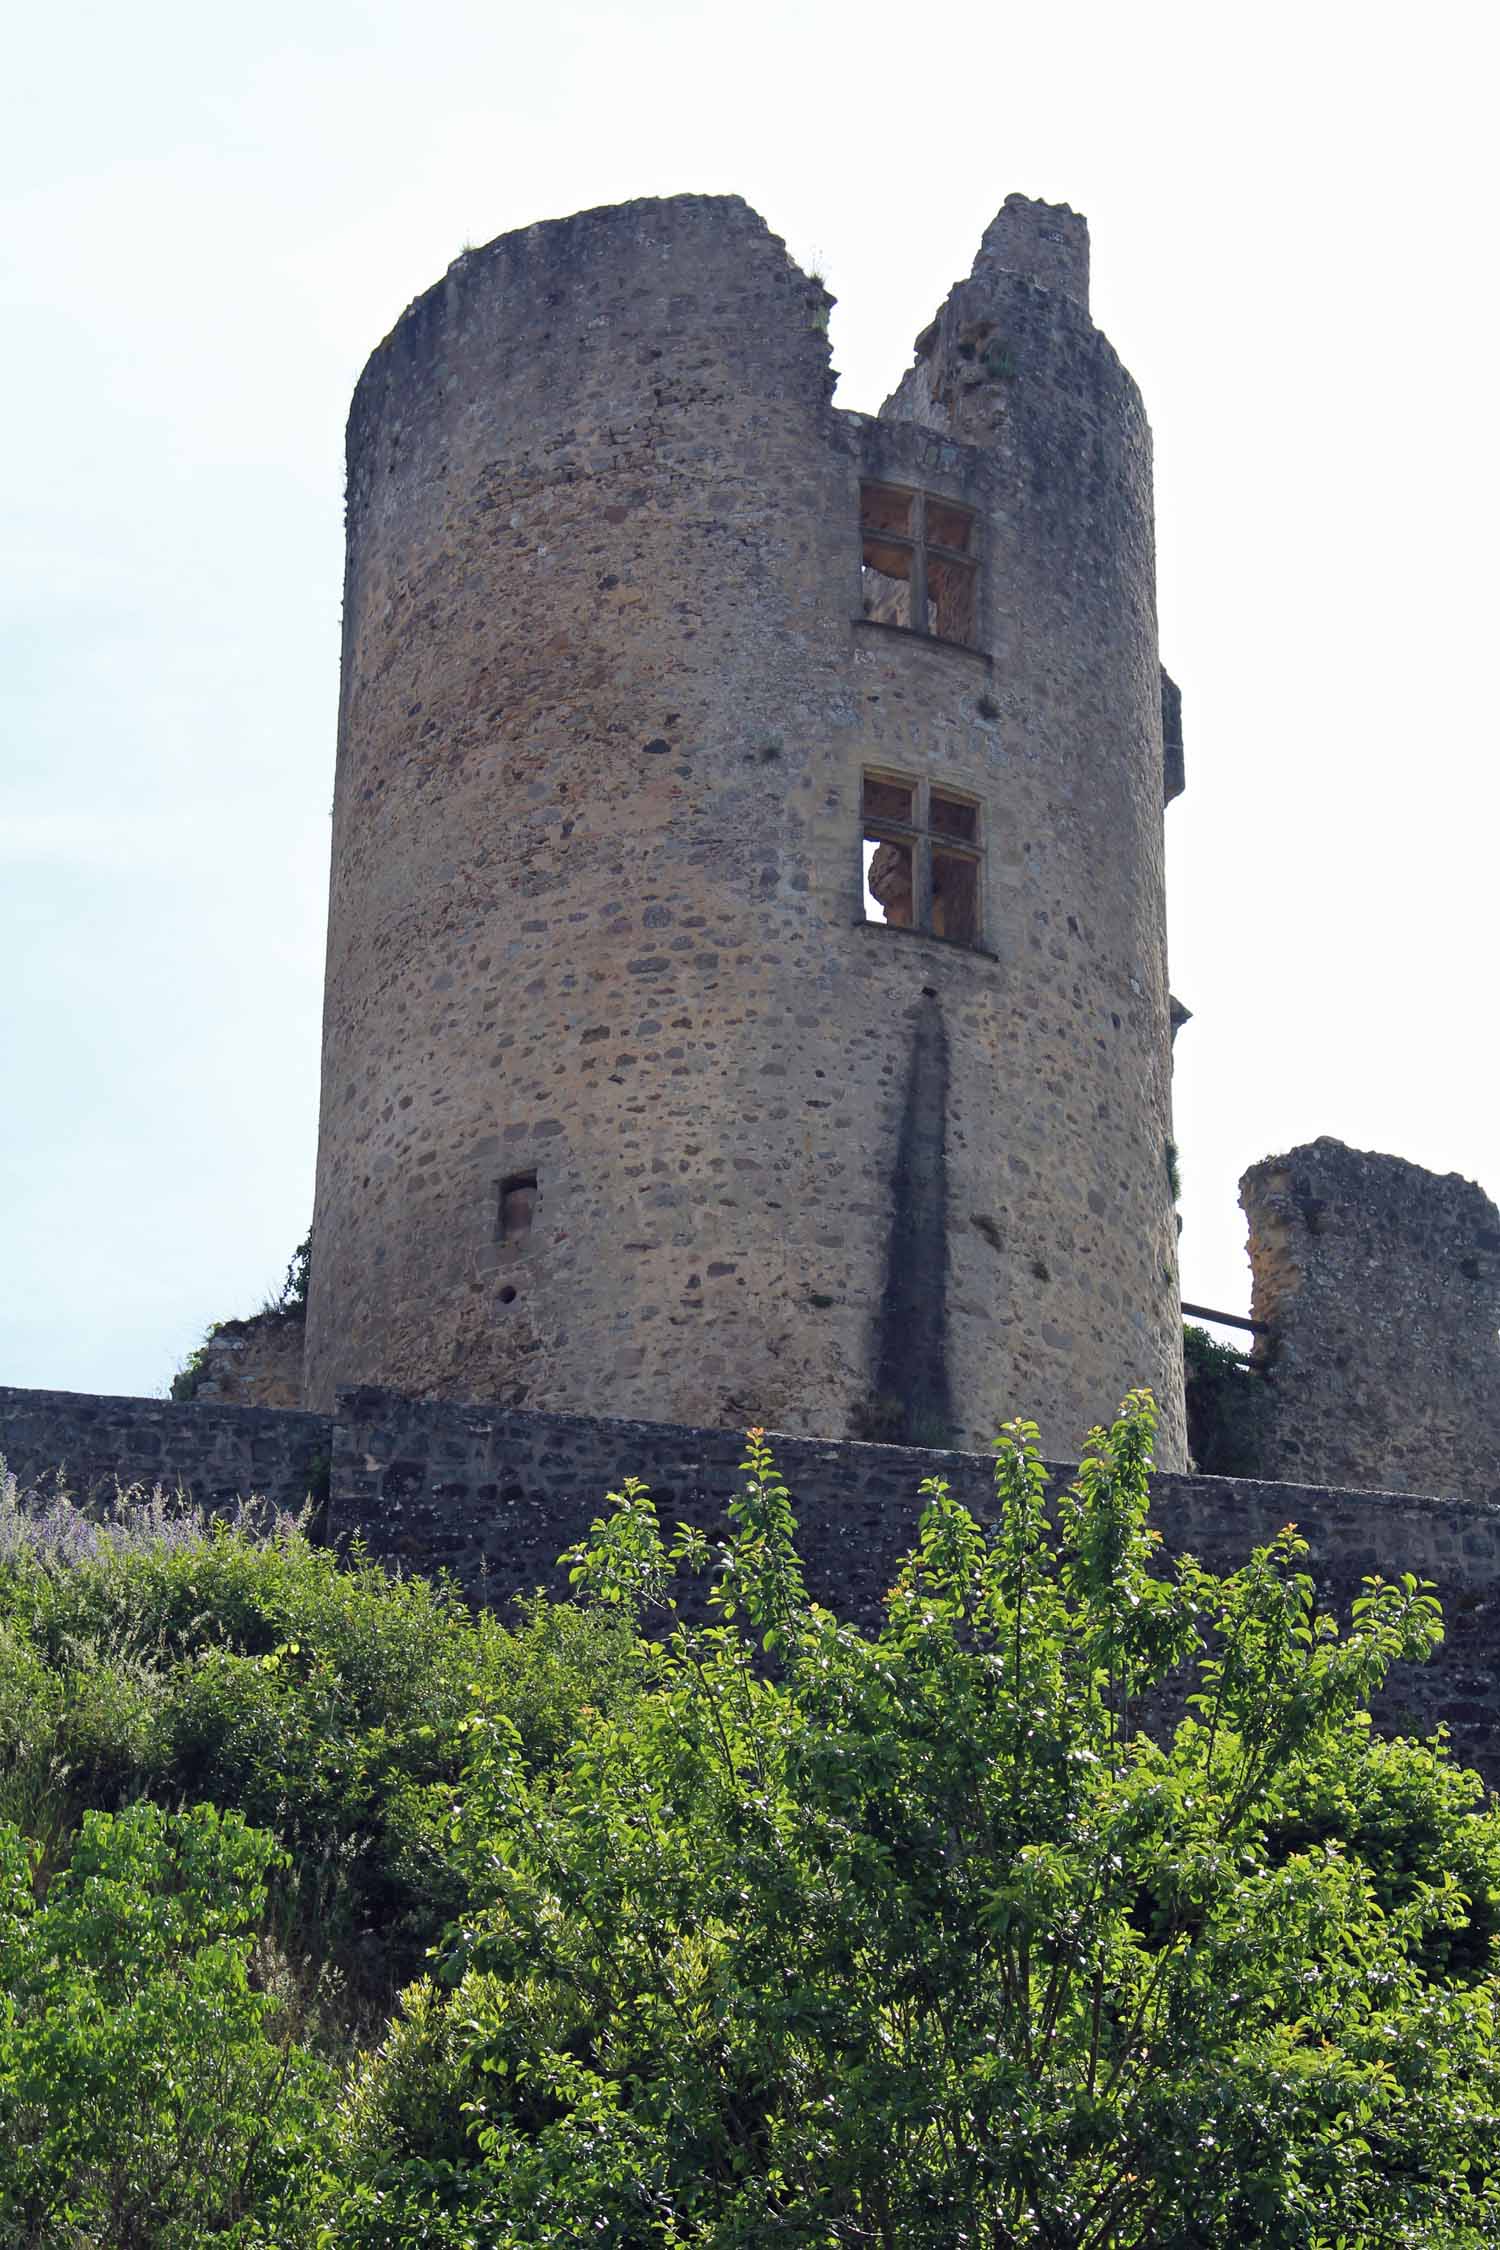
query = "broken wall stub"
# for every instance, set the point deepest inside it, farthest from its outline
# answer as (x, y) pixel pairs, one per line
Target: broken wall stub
(611, 694)
(1379, 1285)
(254, 1362)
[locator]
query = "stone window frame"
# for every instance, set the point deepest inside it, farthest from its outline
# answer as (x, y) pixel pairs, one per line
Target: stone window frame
(916, 543)
(918, 836)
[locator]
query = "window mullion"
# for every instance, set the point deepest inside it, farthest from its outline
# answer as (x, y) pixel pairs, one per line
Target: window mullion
(919, 563)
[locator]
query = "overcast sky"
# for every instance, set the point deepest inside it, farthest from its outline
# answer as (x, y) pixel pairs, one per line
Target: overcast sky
(212, 215)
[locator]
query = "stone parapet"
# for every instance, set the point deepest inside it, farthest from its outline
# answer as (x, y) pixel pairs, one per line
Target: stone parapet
(495, 1497)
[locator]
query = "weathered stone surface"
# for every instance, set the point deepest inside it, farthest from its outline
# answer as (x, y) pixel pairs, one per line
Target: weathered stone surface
(596, 909)
(1379, 1284)
(495, 1495)
(214, 1453)
(254, 1362)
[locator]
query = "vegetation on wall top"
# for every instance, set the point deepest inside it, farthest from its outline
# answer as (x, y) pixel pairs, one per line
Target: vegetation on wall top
(290, 1301)
(1223, 1405)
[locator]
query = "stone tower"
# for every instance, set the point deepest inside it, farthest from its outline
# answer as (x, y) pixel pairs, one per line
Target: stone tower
(747, 985)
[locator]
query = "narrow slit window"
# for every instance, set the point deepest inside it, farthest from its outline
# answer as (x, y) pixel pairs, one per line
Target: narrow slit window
(922, 859)
(919, 569)
(950, 600)
(885, 516)
(517, 1208)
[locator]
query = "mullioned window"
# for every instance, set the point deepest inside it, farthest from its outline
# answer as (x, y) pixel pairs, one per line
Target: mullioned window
(920, 568)
(923, 858)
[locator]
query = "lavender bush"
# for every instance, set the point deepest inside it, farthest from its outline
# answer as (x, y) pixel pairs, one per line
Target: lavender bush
(47, 1525)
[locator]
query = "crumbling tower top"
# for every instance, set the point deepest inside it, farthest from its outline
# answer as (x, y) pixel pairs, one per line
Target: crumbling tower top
(1378, 1287)
(747, 986)
(1043, 242)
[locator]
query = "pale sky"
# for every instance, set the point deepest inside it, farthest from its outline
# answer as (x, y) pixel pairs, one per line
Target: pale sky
(212, 216)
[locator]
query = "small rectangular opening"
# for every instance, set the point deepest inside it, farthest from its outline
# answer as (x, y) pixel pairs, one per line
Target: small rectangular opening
(890, 882)
(882, 507)
(517, 1207)
(948, 526)
(885, 583)
(955, 896)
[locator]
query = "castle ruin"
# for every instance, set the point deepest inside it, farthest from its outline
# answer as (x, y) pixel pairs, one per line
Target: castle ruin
(747, 988)
(747, 992)
(1376, 1294)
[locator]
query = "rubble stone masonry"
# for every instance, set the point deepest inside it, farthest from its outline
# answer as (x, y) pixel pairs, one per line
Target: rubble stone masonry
(254, 1362)
(1378, 1284)
(494, 1496)
(627, 1107)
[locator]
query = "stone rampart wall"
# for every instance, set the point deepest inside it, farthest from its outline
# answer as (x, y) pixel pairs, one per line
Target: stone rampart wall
(214, 1453)
(495, 1495)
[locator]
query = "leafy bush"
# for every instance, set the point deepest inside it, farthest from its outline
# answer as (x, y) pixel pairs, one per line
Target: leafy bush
(922, 1939)
(147, 2094)
(158, 1654)
(760, 1930)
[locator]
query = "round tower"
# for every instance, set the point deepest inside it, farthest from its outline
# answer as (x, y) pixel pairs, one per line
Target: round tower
(746, 975)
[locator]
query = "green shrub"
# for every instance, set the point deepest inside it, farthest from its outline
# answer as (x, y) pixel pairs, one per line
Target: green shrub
(188, 1380)
(157, 1655)
(147, 2094)
(766, 1930)
(555, 1668)
(922, 1939)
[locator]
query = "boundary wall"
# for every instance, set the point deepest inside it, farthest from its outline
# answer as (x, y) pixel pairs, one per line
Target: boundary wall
(493, 1495)
(213, 1452)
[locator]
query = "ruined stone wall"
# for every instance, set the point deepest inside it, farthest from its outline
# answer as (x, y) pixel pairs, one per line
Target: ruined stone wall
(255, 1362)
(626, 1107)
(1379, 1284)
